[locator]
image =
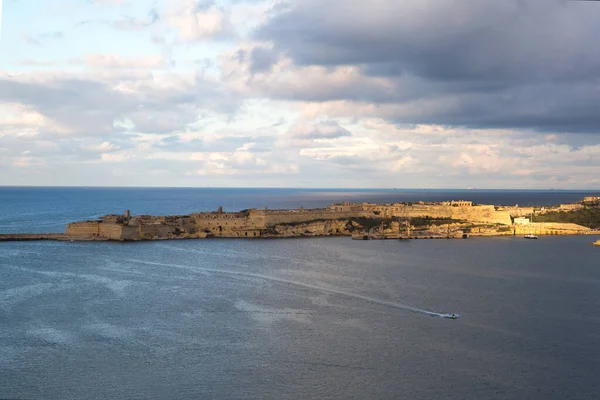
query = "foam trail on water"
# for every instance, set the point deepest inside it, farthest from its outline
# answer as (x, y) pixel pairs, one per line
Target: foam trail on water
(451, 316)
(369, 299)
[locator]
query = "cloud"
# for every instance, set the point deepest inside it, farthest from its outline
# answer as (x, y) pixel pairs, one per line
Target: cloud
(522, 64)
(103, 147)
(130, 23)
(239, 162)
(383, 93)
(24, 121)
(39, 39)
(199, 20)
(304, 134)
(286, 81)
(262, 59)
(88, 104)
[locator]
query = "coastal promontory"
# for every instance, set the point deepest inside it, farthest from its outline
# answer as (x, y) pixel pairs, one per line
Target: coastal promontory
(450, 219)
(396, 220)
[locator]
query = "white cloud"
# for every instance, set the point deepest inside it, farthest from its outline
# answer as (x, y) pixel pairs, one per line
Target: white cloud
(245, 94)
(103, 147)
(194, 22)
(117, 157)
(26, 161)
(91, 103)
(22, 120)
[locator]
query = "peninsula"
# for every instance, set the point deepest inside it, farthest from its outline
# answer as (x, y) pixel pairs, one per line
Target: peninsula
(451, 219)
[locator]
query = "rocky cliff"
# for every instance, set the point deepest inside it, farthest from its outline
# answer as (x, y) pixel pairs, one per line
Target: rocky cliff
(315, 228)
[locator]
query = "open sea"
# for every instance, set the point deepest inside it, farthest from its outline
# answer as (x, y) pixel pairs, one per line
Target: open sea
(310, 318)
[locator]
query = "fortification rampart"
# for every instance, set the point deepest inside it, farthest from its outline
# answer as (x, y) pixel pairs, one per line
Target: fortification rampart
(336, 219)
(459, 210)
(111, 231)
(487, 214)
(84, 228)
(551, 228)
(516, 211)
(220, 216)
(154, 231)
(278, 217)
(226, 223)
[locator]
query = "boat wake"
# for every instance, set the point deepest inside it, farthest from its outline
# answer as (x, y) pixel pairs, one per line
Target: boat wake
(449, 316)
(315, 288)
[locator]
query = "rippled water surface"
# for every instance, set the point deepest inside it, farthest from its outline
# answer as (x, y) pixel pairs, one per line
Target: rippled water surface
(295, 318)
(301, 318)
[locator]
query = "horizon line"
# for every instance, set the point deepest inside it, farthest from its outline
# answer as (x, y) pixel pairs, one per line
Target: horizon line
(296, 187)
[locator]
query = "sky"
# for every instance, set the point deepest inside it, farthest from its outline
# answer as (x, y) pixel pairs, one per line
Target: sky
(301, 93)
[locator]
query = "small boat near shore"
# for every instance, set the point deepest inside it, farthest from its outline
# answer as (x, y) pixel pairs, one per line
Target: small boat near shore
(530, 236)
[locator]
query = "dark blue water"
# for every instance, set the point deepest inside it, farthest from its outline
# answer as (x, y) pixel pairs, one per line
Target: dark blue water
(324, 318)
(34, 210)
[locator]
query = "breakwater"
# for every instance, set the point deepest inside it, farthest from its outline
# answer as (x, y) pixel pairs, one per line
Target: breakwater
(32, 236)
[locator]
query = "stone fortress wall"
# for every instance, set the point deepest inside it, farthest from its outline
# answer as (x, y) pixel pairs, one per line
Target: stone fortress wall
(550, 228)
(460, 210)
(276, 217)
(84, 228)
(256, 223)
(99, 229)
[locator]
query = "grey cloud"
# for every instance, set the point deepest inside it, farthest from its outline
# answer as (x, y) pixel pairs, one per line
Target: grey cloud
(60, 151)
(321, 130)
(514, 63)
(174, 143)
(262, 59)
(449, 39)
(90, 107)
(204, 5)
(153, 120)
(328, 130)
(231, 143)
(64, 101)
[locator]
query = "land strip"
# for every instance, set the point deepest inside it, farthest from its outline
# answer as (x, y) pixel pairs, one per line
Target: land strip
(451, 219)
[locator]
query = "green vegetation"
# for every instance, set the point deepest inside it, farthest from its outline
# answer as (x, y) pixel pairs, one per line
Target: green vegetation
(296, 223)
(589, 217)
(418, 222)
(369, 223)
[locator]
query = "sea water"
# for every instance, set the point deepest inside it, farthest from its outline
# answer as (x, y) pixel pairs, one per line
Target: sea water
(290, 318)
